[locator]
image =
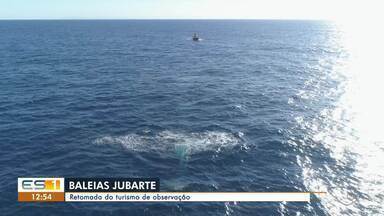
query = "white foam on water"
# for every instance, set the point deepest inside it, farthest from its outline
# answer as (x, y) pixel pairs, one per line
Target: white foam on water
(130, 141)
(181, 143)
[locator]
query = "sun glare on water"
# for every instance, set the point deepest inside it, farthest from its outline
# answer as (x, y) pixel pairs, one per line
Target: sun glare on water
(355, 135)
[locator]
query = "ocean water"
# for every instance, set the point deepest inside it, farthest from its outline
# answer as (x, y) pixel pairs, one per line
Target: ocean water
(253, 106)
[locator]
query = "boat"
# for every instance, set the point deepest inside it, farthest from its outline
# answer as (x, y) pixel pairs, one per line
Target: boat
(195, 37)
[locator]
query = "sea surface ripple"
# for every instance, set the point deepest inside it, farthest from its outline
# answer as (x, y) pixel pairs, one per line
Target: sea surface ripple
(254, 106)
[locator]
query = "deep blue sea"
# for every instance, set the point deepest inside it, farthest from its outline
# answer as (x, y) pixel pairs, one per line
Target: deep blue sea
(254, 106)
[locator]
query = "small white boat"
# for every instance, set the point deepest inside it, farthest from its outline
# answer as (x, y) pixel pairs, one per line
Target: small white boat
(195, 37)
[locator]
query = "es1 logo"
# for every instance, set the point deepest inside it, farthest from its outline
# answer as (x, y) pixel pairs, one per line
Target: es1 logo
(40, 184)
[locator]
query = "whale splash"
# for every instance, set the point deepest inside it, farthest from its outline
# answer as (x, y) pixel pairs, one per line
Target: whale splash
(182, 144)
